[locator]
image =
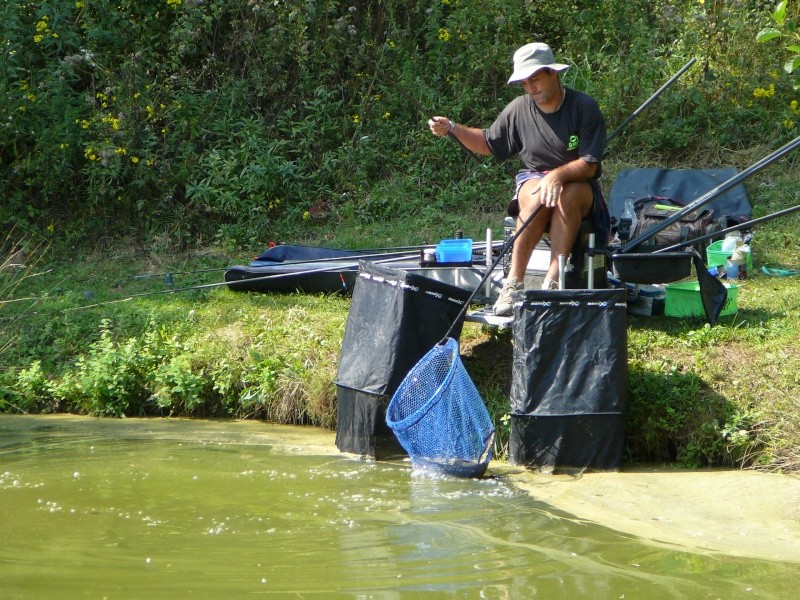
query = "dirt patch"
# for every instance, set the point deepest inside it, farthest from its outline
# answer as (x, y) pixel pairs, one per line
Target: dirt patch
(736, 513)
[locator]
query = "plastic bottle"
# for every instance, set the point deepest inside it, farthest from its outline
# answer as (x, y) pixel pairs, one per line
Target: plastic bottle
(731, 270)
(731, 242)
(739, 257)
(629, 214)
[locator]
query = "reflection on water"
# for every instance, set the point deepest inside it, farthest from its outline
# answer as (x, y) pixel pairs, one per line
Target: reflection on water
(173, 509)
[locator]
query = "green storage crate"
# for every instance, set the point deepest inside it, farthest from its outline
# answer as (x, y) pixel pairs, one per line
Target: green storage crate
(683, 300)
(716, 257)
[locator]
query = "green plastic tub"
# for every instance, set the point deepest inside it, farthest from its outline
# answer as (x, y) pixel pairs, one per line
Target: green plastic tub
(716, 257)
(683, 300)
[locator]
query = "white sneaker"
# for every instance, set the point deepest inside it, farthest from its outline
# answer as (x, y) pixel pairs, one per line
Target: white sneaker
(549, 284)
(505, 302)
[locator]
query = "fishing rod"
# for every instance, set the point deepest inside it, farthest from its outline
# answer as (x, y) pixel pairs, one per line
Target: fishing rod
(392, 83)
(650, 100)
(354, 254)
(349, 265)
(736, 227)
(170, 273)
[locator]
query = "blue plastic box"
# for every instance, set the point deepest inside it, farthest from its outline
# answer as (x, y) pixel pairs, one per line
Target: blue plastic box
(454, 251)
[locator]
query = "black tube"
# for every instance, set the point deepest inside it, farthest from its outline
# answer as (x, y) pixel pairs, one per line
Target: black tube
(711, 194)
(347, 264)
(722, 232)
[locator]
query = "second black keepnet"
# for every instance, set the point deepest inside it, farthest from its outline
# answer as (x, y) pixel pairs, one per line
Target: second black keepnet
(569, 379)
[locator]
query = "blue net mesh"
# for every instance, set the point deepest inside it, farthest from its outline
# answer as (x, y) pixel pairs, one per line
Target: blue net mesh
(439, 417)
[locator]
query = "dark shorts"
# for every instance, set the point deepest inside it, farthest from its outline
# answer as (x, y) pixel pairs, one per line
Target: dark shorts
(600, 214)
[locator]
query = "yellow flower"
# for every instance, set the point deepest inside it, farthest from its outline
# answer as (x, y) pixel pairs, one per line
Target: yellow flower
(121, 151)
(306, 215)
(444, 35)
(134, 159)
(31, 97)
(38, 38)
(41, 25)
(79, 5)
(788, 123)
(356, 119)
(794, 106)
(765, 93)
(386, 115)
(51, 228)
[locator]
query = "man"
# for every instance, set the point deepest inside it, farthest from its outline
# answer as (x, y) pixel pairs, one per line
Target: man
(560, 136)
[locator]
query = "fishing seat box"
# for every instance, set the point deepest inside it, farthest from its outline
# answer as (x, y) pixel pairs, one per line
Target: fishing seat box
(395, 318)
(577, 275)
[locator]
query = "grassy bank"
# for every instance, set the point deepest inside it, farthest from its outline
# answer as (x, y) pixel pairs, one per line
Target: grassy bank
(73, 341)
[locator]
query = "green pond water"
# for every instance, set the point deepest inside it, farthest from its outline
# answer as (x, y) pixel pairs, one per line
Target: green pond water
(195, 509)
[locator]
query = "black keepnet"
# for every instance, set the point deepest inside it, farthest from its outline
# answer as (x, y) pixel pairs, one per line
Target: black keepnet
(569, 379)
(395, 318)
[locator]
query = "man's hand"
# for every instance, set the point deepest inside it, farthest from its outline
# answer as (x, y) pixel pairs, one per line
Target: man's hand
(549, 190)
(440, 126)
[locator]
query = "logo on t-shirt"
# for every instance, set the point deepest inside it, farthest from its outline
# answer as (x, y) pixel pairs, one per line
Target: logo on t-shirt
(574, 140)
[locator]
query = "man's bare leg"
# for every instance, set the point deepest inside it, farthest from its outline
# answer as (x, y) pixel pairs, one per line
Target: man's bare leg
(528, 199)
(574, 204)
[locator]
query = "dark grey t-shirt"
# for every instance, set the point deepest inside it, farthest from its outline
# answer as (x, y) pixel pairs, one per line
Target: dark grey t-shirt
(546, 141)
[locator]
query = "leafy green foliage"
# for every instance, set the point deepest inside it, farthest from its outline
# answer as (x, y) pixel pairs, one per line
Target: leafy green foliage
(785, 27)
(235, 122)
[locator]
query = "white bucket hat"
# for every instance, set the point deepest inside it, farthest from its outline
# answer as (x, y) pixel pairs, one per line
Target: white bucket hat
(531, 58)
